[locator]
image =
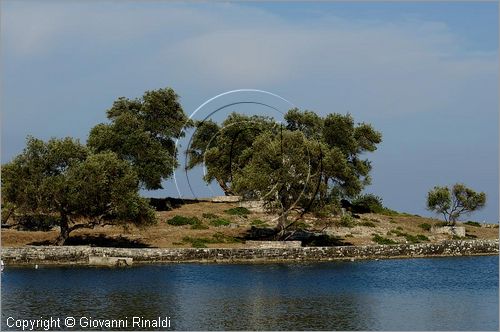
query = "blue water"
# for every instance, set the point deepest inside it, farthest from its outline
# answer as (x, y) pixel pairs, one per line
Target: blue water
(404, 294)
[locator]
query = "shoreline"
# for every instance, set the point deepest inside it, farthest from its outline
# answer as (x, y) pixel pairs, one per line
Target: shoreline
(107, 256)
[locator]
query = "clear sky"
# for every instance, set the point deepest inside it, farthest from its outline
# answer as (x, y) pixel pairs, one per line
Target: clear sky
(425, 74)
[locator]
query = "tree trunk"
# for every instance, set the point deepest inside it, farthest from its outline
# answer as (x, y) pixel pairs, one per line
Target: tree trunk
(6, 217)
(281, 227)
(225, 188)
(63, 236)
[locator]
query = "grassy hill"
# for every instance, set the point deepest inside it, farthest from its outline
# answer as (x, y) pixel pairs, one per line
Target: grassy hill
(223, 225)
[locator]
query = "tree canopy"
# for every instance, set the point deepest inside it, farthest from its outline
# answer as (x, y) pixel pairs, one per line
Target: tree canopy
(307, 163)
(61, 177)
(226, 149)
(455, 201)
(142, 131)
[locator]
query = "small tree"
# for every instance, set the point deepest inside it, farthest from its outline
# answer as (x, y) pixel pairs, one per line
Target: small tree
(452, 203)
(61, 178)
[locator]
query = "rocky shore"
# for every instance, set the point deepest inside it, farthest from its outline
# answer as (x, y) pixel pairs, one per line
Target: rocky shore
(86, 255)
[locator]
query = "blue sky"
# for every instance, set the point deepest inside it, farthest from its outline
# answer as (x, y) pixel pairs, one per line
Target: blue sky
(425, 74)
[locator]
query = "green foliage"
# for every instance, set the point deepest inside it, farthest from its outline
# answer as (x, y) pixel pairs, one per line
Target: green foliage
(142, 132)
(197, 242)
(409, 237)
(181, 221)
(455, 201)
(397, 232)
(60, 177)
(326, 210)
(346, 221)
(382, 240)
(217, 222)
(238, 211)
(422, 237)
(367, 203)
(472, 223)
(209, 216)
(36, 222)
(307, 122)
(223, 238)
(425, 226)
(258, 222)
(225, 150)
(367, 224)
(202, 242)
(412, 238)
(199, 225)
(307, 164)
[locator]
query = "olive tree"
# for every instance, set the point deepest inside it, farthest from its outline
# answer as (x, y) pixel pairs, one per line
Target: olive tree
(226, 149)
(142, 131)
(61, 177)
(278, 173)
(455, 201)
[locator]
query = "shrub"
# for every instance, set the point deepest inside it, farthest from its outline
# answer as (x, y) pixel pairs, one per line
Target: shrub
(367, 203)
(219, 222)
(258, 222)
(181, 220)
(472, 223)
(397, 232)
(199, 226)
(382, 240)
(367, 224)
(197, 242)
(326, 211)
(209, 216)
(201, 242)
(412, 238)
(238, 211)
(422, 237)
(346, 221)
(223, 238)
(425, 226)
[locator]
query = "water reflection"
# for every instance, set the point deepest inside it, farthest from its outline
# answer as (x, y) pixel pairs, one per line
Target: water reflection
(415, 294)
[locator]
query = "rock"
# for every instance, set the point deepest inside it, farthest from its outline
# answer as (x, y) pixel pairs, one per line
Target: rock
(451, 230)
(226, 199)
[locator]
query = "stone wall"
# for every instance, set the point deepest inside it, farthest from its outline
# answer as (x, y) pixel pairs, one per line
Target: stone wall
(273, 244)
(81, 254)
(451, 230)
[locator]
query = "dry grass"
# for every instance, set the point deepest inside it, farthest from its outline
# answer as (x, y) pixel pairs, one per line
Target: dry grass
(163, 235)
